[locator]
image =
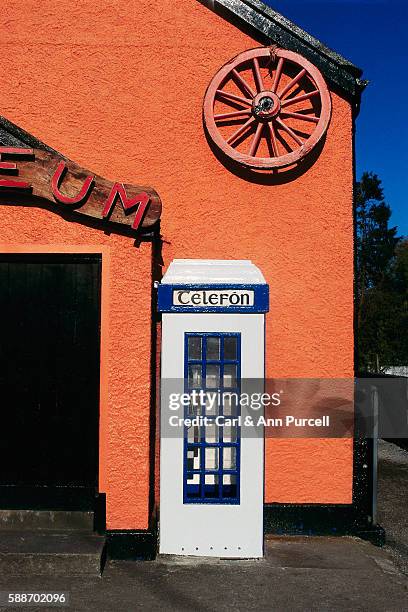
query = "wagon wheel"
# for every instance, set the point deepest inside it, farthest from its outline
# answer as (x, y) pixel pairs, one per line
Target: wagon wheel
(267, 110)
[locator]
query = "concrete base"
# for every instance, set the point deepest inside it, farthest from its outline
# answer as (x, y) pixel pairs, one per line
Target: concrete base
(38, 553)
(46, 520)
(297, 574)
(51, 543)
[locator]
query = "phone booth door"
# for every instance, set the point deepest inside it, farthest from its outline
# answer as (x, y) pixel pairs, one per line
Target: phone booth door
(211, 466)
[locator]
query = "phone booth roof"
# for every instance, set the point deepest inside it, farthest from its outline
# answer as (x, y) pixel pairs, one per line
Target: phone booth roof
(213, 272)
(213, 285)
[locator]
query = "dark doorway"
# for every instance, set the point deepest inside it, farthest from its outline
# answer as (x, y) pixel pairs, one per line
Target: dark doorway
(49, 380)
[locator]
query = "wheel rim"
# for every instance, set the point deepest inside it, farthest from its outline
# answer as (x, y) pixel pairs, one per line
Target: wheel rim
(264, 113)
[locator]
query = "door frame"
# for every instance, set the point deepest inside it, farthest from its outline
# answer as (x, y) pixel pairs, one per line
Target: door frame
(77, 499)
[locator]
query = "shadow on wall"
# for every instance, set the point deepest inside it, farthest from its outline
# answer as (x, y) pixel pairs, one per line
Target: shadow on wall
(70, 215)
(269, 177)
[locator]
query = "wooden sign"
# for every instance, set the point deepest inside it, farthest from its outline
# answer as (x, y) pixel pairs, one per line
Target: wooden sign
(57, 182)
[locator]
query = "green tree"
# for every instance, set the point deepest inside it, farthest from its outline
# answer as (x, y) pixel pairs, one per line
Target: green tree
(376, 242)
(396, 286)
(381, 279)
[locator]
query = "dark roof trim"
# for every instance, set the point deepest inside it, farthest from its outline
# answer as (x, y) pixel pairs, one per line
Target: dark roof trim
(273, 27)
(13, 136)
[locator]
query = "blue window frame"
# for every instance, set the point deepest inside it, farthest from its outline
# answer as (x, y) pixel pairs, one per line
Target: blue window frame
(212, 453)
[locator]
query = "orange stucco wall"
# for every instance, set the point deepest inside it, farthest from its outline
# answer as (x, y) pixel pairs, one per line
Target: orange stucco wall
(118, 87)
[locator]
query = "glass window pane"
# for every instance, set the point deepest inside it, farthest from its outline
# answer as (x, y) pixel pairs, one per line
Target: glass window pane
(229, 458)
(230, 375)
(211, 403)
(213, 376)
(193, 487)
(229, 486)
(193, 459)
(230, 433)
(211, 433)
(213, 347)
(193, 434)
(194, 409)
(195, 376)
(211, 486)
(230, 403)
(230, 347)
(194, 347)
(211, 458)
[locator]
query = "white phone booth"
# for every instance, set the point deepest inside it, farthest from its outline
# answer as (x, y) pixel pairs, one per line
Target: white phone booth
(211, 466)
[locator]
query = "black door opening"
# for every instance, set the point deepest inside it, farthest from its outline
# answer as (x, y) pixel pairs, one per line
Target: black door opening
(49, 380)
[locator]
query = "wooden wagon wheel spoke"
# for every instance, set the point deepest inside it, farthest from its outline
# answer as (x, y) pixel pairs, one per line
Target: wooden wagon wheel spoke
(234, 98)
(247, 88)
(232, 115)
(240, 131)
(292, 83)
(309, 118)
(258, 76)
(297, 99)
(272, 136)
(278, 74)
(256, 139)
(269, 134)
(289, 131)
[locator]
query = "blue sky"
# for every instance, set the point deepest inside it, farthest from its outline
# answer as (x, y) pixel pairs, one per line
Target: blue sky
(373, 34)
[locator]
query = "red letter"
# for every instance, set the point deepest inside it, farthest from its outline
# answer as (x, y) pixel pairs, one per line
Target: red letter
(12, 183)
(119, 190)
(55, 184)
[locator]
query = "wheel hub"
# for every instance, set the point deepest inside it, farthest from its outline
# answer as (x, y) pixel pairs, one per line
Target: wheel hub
(266, 105)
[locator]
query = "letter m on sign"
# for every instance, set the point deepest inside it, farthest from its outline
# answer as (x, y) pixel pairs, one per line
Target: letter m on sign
(141, 201)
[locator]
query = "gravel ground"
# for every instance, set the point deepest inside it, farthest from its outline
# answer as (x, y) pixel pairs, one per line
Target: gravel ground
(298, 573)
(393, 500)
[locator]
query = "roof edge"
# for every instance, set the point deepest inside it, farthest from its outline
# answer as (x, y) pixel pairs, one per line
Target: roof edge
(13, 136)
(272, 26)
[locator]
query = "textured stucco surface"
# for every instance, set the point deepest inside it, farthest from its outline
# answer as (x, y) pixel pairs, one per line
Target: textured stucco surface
(118, 87)
(125, 340)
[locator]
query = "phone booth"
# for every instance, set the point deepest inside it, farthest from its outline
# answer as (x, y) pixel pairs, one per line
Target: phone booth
(211, 464)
